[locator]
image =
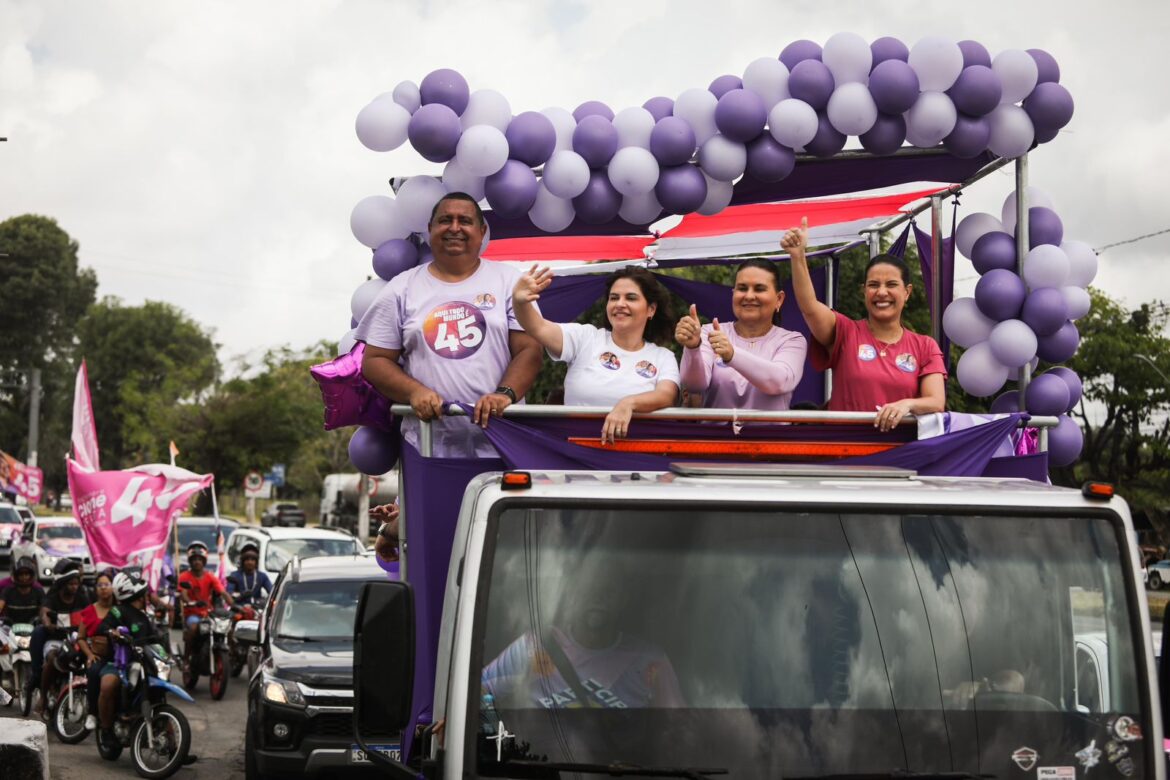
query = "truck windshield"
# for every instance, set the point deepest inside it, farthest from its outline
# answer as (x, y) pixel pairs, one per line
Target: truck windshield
(774, 643)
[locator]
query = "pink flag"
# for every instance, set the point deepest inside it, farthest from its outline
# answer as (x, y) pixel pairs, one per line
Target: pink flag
(127, 515)
(85, 443)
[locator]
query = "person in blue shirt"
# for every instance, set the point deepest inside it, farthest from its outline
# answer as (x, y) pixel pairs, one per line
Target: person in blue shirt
(248, 585)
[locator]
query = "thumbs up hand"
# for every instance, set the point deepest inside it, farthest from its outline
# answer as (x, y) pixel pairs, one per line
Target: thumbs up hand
(796, 239)
(719, 342)
(688, 329)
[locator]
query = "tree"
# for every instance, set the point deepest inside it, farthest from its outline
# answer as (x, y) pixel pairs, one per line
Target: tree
(143, 362)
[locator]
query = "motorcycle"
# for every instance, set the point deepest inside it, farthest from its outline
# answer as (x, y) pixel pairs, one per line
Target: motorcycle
(210, 654)
(16, 662)
(241, 654)
(68, 705)
(158, 735)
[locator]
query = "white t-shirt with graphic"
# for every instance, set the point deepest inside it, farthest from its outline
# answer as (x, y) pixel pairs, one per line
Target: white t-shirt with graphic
(602, 373)
(454, 339)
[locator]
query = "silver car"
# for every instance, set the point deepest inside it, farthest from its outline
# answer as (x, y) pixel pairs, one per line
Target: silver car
(47, 540)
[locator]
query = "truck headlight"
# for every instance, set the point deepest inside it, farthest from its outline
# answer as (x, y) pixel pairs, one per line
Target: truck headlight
(47, 571)
(283, 692)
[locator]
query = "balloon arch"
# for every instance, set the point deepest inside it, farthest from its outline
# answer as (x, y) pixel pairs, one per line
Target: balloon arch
(939, 110)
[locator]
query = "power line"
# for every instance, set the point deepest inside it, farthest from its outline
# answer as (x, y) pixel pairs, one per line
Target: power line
(1099, 250)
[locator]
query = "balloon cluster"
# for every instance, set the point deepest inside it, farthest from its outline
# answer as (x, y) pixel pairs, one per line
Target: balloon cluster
(1016, 320)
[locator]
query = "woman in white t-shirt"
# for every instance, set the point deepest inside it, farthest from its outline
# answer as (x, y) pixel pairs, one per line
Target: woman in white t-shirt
(619, 367)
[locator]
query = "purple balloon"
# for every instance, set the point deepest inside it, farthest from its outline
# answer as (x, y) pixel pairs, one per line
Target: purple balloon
(445, 87)
(799, 51)
(373, 451)
(394, 257)
(434, 132)
(894, 86)
(1075, 388)
(1006, 403)
(977, 90)
(511, 191)
(353, 322)
(974, 53)
(888, 48)
(600, 202)
(1046, 67)
(1000, 294)
(811, 82)
(1047, 394)
(1050, 107)
(969, 138)
(740, 115)
(672, 141)
(724, 84)
(1045, 311)
(531, 138)
(681, 189)
(1044, 227)
(886, 135)
(659, 107)
(1060, 346)
(768, 160)
(828, 140)
(348, 396)
(593, 108)
(994, 249)
(596, 139)
(1065, 442)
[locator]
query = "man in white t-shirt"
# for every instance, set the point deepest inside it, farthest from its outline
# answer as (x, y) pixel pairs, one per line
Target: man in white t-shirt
(445, 332)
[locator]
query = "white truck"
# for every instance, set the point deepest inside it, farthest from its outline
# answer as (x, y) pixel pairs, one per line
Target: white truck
(339, 497)
(772, 621)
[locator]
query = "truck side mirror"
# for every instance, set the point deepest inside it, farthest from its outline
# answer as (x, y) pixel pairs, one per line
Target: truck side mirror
(383, 664)
(248, 632)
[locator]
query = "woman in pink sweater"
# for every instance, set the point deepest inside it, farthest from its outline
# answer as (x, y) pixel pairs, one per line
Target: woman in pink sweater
(751, 363)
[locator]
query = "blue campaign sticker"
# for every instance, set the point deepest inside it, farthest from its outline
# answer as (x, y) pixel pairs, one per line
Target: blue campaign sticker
(866, 352)
(610, 361)
(485, 301)
(906, 362)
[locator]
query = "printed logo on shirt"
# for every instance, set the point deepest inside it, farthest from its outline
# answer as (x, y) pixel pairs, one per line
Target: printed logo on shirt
(610, 361)
(645, 369)
(906, 362)
(454, 330)
(866, 352)
(485, 301)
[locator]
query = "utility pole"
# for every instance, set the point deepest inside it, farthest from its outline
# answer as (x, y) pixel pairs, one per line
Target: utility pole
(34, 414)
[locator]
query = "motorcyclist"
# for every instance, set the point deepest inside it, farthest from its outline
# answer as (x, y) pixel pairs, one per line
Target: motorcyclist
(65, 598)
(130, 591)
(162, 608)
(248, 585)
(197, 598)
(94, 644)
(21, 601)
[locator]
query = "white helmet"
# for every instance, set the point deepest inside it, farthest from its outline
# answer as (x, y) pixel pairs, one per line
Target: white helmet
(127, 587)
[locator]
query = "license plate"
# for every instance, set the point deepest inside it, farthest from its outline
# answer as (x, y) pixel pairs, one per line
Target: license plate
(358, 756)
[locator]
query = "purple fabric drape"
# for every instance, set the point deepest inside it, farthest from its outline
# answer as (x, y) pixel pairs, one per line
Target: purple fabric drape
(568, 297)
(898, 248)
(947, 260)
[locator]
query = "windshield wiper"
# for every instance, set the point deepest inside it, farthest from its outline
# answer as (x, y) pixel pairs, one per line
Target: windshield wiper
(553, 769)
(297, 638)
(897, 774)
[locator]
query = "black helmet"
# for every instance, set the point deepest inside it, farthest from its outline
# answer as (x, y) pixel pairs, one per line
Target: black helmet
(250, 547)
(197, 549)
(27, 564)
(65, 570)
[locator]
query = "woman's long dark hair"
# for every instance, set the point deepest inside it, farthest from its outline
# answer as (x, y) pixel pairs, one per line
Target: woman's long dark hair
(659, 328)
(770, 267)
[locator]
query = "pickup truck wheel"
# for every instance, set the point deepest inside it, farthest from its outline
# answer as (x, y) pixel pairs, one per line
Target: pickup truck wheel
(1155, 581)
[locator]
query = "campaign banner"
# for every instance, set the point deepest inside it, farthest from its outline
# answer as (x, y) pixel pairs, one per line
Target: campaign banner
(84, 436)
(25, 480)
(127, 515)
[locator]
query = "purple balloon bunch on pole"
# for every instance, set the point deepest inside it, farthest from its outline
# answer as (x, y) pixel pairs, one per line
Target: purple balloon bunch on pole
(1023, 313)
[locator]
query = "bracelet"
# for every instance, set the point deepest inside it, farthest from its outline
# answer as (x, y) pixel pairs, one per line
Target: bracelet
(382, 532)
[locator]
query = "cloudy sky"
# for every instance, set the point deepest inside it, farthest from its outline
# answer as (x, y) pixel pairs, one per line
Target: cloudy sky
(204, 154)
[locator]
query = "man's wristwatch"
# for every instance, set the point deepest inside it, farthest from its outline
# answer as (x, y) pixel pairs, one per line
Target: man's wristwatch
(505, 390)
(384, 532)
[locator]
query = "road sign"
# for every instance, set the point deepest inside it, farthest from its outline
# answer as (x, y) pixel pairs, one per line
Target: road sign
(276, 474)
(253, 483)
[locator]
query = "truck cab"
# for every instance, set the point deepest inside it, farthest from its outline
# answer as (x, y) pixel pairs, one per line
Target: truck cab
(768, 620)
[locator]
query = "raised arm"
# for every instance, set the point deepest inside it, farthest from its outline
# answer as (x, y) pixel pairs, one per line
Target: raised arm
(695, 371)
(527, 291)
(822, 322)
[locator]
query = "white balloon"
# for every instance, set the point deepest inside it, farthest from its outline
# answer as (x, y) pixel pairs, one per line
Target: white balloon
(640, 209)
(718, 197)
(1017, 73)
(364, 295)
(633, 170)
(722, 159)
(851, 108)
(697, 107)
(566, 174)
(564, 123)
(456, 178)
(848, 57)
(1014, 373)
(937, 61)
(1045, 266)
(793, 122)
(377, 219)
(1082, 262)
(346, 342)
(980, 374)
(482, 150)
(971, 229)
(416, 199)
(550, 213)
(406, 94)
(487, 237)
(1011, 131)
(1012, 343)
(1034, 197)
(1078, 301)
(633, 126)
(486, 107)
(768, 78)
(382, 124)
(965, 324)
(930, 119)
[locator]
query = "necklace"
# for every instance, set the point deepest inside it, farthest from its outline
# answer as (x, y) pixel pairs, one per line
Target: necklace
(883, 346)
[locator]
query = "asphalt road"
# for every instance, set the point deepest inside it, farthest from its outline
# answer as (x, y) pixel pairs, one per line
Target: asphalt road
(217, 738)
